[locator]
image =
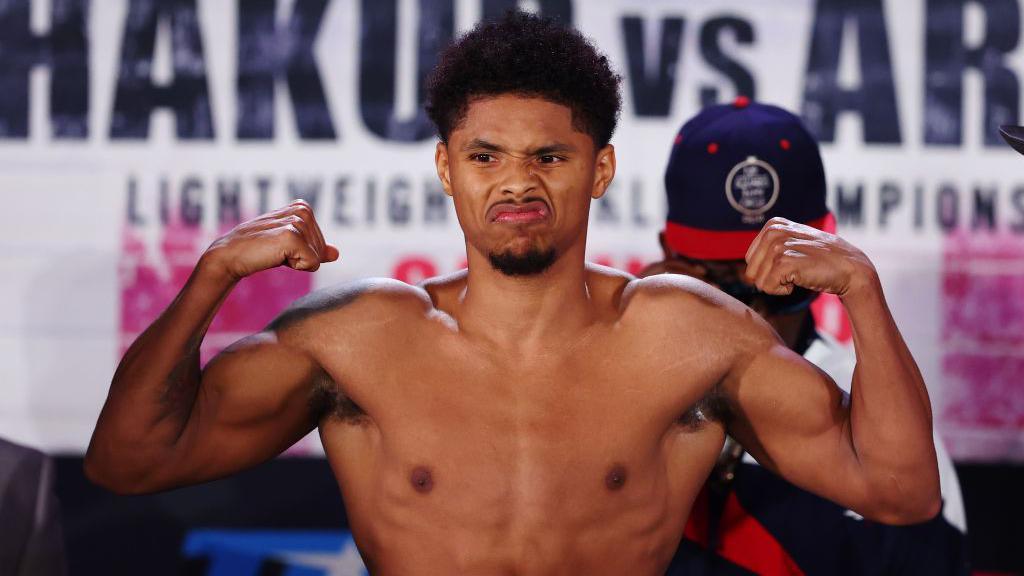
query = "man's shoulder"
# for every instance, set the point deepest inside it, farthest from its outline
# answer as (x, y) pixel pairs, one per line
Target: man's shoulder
(686, 305)
(370, 297)
(675, 293)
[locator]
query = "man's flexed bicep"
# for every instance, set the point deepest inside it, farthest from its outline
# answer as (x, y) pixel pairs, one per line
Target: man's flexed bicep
(160, 400)
(252, 403)
(864, 451)
(875, 456)
(795, 421)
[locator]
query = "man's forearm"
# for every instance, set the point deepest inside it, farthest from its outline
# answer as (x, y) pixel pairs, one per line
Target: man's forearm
(154, 388)
(890, 412)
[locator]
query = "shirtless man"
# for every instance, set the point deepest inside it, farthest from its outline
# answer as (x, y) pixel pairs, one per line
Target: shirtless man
(532, 414)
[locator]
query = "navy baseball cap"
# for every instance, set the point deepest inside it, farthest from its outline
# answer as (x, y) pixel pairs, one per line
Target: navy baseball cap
(732, 168)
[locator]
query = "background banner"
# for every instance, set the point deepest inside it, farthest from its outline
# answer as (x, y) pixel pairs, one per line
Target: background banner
(132, 133)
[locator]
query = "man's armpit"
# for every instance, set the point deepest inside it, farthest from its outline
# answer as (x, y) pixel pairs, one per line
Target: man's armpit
(326, 400)
(712, 407)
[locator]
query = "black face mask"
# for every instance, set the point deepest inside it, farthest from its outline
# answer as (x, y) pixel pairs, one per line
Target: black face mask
(797, 300)
(726, 281)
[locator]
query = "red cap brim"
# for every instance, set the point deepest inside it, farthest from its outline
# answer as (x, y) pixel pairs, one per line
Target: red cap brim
(701, 244)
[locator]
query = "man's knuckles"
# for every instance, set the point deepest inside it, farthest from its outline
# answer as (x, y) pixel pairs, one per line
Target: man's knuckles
(303, 211)
(331, 253)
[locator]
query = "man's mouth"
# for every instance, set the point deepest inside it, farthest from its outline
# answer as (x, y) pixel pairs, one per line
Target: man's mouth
(528, 213)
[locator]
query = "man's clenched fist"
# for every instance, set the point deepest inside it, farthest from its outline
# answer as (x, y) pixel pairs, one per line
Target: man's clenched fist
(288, 236)
(787, 254)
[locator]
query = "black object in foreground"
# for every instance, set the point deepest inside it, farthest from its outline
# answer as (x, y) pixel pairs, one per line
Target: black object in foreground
(1014, 136)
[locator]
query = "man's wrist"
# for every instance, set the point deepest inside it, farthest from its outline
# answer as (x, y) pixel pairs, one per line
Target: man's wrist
(212, 270)
(865, 286)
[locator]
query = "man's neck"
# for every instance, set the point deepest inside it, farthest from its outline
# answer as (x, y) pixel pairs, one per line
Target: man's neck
(526, 313)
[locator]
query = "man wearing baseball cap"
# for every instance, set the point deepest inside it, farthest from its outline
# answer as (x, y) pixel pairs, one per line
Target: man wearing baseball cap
(732, 168)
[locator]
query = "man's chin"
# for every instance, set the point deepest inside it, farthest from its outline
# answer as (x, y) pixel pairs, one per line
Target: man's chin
(529, 262)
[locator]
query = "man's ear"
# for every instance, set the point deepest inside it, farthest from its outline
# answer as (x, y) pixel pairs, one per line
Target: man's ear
(443, 167)
(604, 171)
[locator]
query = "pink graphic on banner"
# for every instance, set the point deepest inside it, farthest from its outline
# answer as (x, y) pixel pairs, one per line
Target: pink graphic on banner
(151, 278)
(983, 345)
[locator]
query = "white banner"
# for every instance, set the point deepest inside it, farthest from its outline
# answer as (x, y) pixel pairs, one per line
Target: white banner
(132, 133)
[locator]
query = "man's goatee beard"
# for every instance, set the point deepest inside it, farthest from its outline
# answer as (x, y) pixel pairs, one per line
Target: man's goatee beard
(529, 263)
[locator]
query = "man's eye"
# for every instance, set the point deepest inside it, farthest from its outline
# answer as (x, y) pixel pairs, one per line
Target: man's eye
(549, 159)
(482, 157)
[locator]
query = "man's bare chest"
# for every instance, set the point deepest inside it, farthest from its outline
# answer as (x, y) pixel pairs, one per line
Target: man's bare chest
(602, 379)
(546, 433)
(453, 399)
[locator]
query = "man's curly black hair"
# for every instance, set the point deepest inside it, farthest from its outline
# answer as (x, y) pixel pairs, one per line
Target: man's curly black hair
(531, 56)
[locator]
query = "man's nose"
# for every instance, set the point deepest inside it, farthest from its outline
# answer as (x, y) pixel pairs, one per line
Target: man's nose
(519, 178)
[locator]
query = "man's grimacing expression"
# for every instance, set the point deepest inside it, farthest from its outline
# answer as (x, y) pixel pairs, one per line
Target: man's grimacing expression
(522, 176)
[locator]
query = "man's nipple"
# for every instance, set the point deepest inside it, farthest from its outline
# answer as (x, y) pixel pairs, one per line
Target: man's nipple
(422, 479)
(616, 478)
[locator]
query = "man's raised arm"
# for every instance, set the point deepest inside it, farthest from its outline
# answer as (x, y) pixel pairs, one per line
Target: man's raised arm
(168, 423)
(873, 454)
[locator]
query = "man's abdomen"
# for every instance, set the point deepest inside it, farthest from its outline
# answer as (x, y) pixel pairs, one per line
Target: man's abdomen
(487, 502)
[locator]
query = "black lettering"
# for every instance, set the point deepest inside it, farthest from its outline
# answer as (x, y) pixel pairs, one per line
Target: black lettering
(268, 54)
(875, 99)
(918, 207)
(371, 201)
(711, 49)
(652, 93)
(378, 43)
(165, 201)
(849, 205)
(606, 211)
(890, 196)
(136, 95)
(948, 207)
(263, 189)
(399, 206)
(308, 190)
(341, 218)
(229, 201)
(64, 50)
(946, 59)
(436, 205)
(133, 216)
(636, 197)
(1018, 205)
(192, 202)
(984, 215)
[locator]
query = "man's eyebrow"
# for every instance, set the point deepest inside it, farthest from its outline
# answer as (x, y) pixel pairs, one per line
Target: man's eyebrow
(553, 149)
(478, 144)
(558, 147)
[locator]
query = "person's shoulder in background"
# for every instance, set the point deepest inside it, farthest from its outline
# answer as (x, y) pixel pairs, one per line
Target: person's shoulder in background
(31, 540)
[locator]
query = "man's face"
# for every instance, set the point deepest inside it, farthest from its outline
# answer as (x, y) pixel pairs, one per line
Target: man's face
(522, 178)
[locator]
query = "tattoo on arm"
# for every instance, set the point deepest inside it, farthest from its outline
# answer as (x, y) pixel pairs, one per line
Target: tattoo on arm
(182, 383)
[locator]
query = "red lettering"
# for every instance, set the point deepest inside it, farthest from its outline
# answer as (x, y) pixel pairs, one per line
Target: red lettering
(414, 269)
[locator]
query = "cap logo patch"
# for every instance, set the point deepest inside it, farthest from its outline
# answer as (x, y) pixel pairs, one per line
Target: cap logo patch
(752, 188)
